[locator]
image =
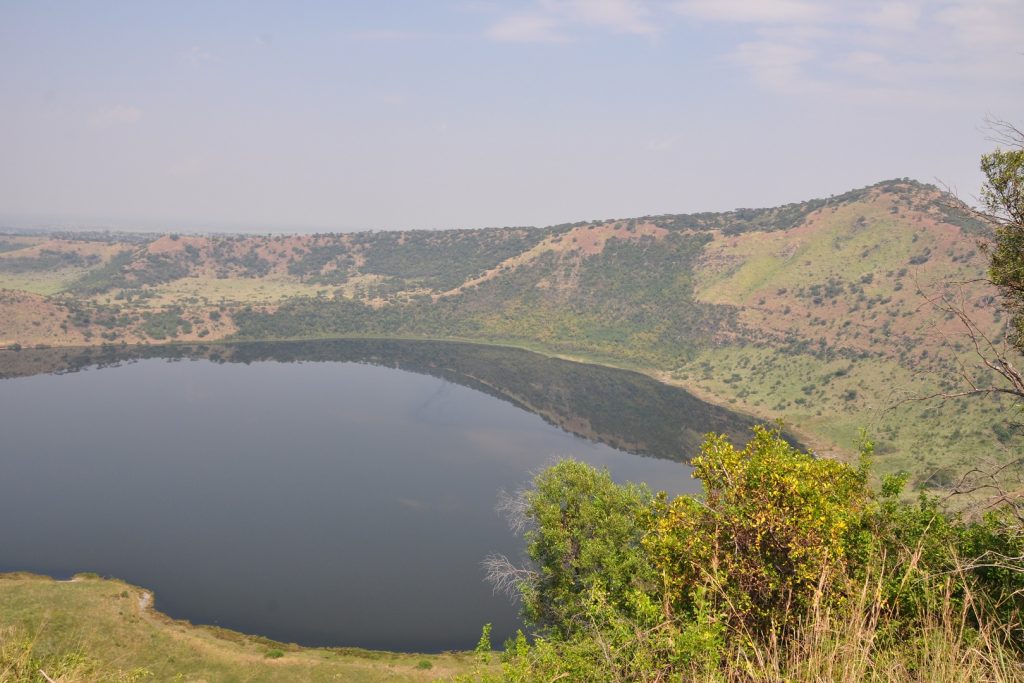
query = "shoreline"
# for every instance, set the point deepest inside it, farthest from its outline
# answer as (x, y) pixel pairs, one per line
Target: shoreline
(810, 440)
(145, 604)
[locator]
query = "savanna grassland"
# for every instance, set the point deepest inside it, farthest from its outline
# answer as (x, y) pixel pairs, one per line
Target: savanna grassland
(815, 313)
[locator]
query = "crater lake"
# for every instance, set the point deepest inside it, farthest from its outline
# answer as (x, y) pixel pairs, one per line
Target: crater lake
(336, 493)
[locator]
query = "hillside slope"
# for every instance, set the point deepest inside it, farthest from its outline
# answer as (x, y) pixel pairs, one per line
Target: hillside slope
(815, 313)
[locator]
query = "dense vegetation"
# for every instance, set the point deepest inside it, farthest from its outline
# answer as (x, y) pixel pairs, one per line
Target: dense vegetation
(788, 568)
(48, 259)
(633, 299)
(443, 260)
(107, 276)
(327, 265)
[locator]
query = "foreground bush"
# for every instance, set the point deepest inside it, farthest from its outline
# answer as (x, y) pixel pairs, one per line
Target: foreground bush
(787, 568)
(774, 525)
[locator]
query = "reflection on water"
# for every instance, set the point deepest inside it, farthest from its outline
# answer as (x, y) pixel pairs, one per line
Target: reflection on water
(626, 410)
(342, 495)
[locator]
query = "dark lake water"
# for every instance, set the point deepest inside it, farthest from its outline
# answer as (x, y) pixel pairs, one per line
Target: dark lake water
(326, 493)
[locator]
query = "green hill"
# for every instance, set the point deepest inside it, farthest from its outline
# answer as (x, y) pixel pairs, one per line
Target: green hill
(815, 313)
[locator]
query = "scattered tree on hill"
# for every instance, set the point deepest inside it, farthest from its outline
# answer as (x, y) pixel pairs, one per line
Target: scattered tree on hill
(1002, 199)
(999, 485)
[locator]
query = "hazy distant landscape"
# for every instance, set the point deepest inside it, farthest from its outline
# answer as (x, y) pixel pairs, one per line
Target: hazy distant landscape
(532, 341)
(815, 313)
(853, 321)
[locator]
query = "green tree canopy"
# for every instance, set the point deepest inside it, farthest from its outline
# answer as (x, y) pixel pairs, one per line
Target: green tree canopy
(1003, 198)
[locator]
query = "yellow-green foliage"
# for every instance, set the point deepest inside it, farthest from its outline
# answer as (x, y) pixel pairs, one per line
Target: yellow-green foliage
(789, 568)
(847, 243)
(774, 522)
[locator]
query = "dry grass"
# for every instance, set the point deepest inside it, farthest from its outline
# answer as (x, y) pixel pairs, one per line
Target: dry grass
(90, 630)
(859, 645)
(955, 639)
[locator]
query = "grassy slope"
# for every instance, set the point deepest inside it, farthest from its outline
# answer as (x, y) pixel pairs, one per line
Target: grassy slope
(873, 338)
(811, 313)
(105, 630)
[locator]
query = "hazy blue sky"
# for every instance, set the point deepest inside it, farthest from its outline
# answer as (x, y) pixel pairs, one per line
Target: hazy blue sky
(375, 114)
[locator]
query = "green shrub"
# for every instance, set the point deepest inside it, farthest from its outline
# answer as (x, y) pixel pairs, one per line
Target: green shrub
(587, 536)
(789, 567)
(774, 524)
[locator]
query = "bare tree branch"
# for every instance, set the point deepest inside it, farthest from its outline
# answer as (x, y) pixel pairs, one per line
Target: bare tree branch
(1003, 133)
(989, 353)
(514, 507)
(505, 577)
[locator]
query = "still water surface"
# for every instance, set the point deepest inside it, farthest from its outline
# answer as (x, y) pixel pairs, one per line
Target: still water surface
(340, 502)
